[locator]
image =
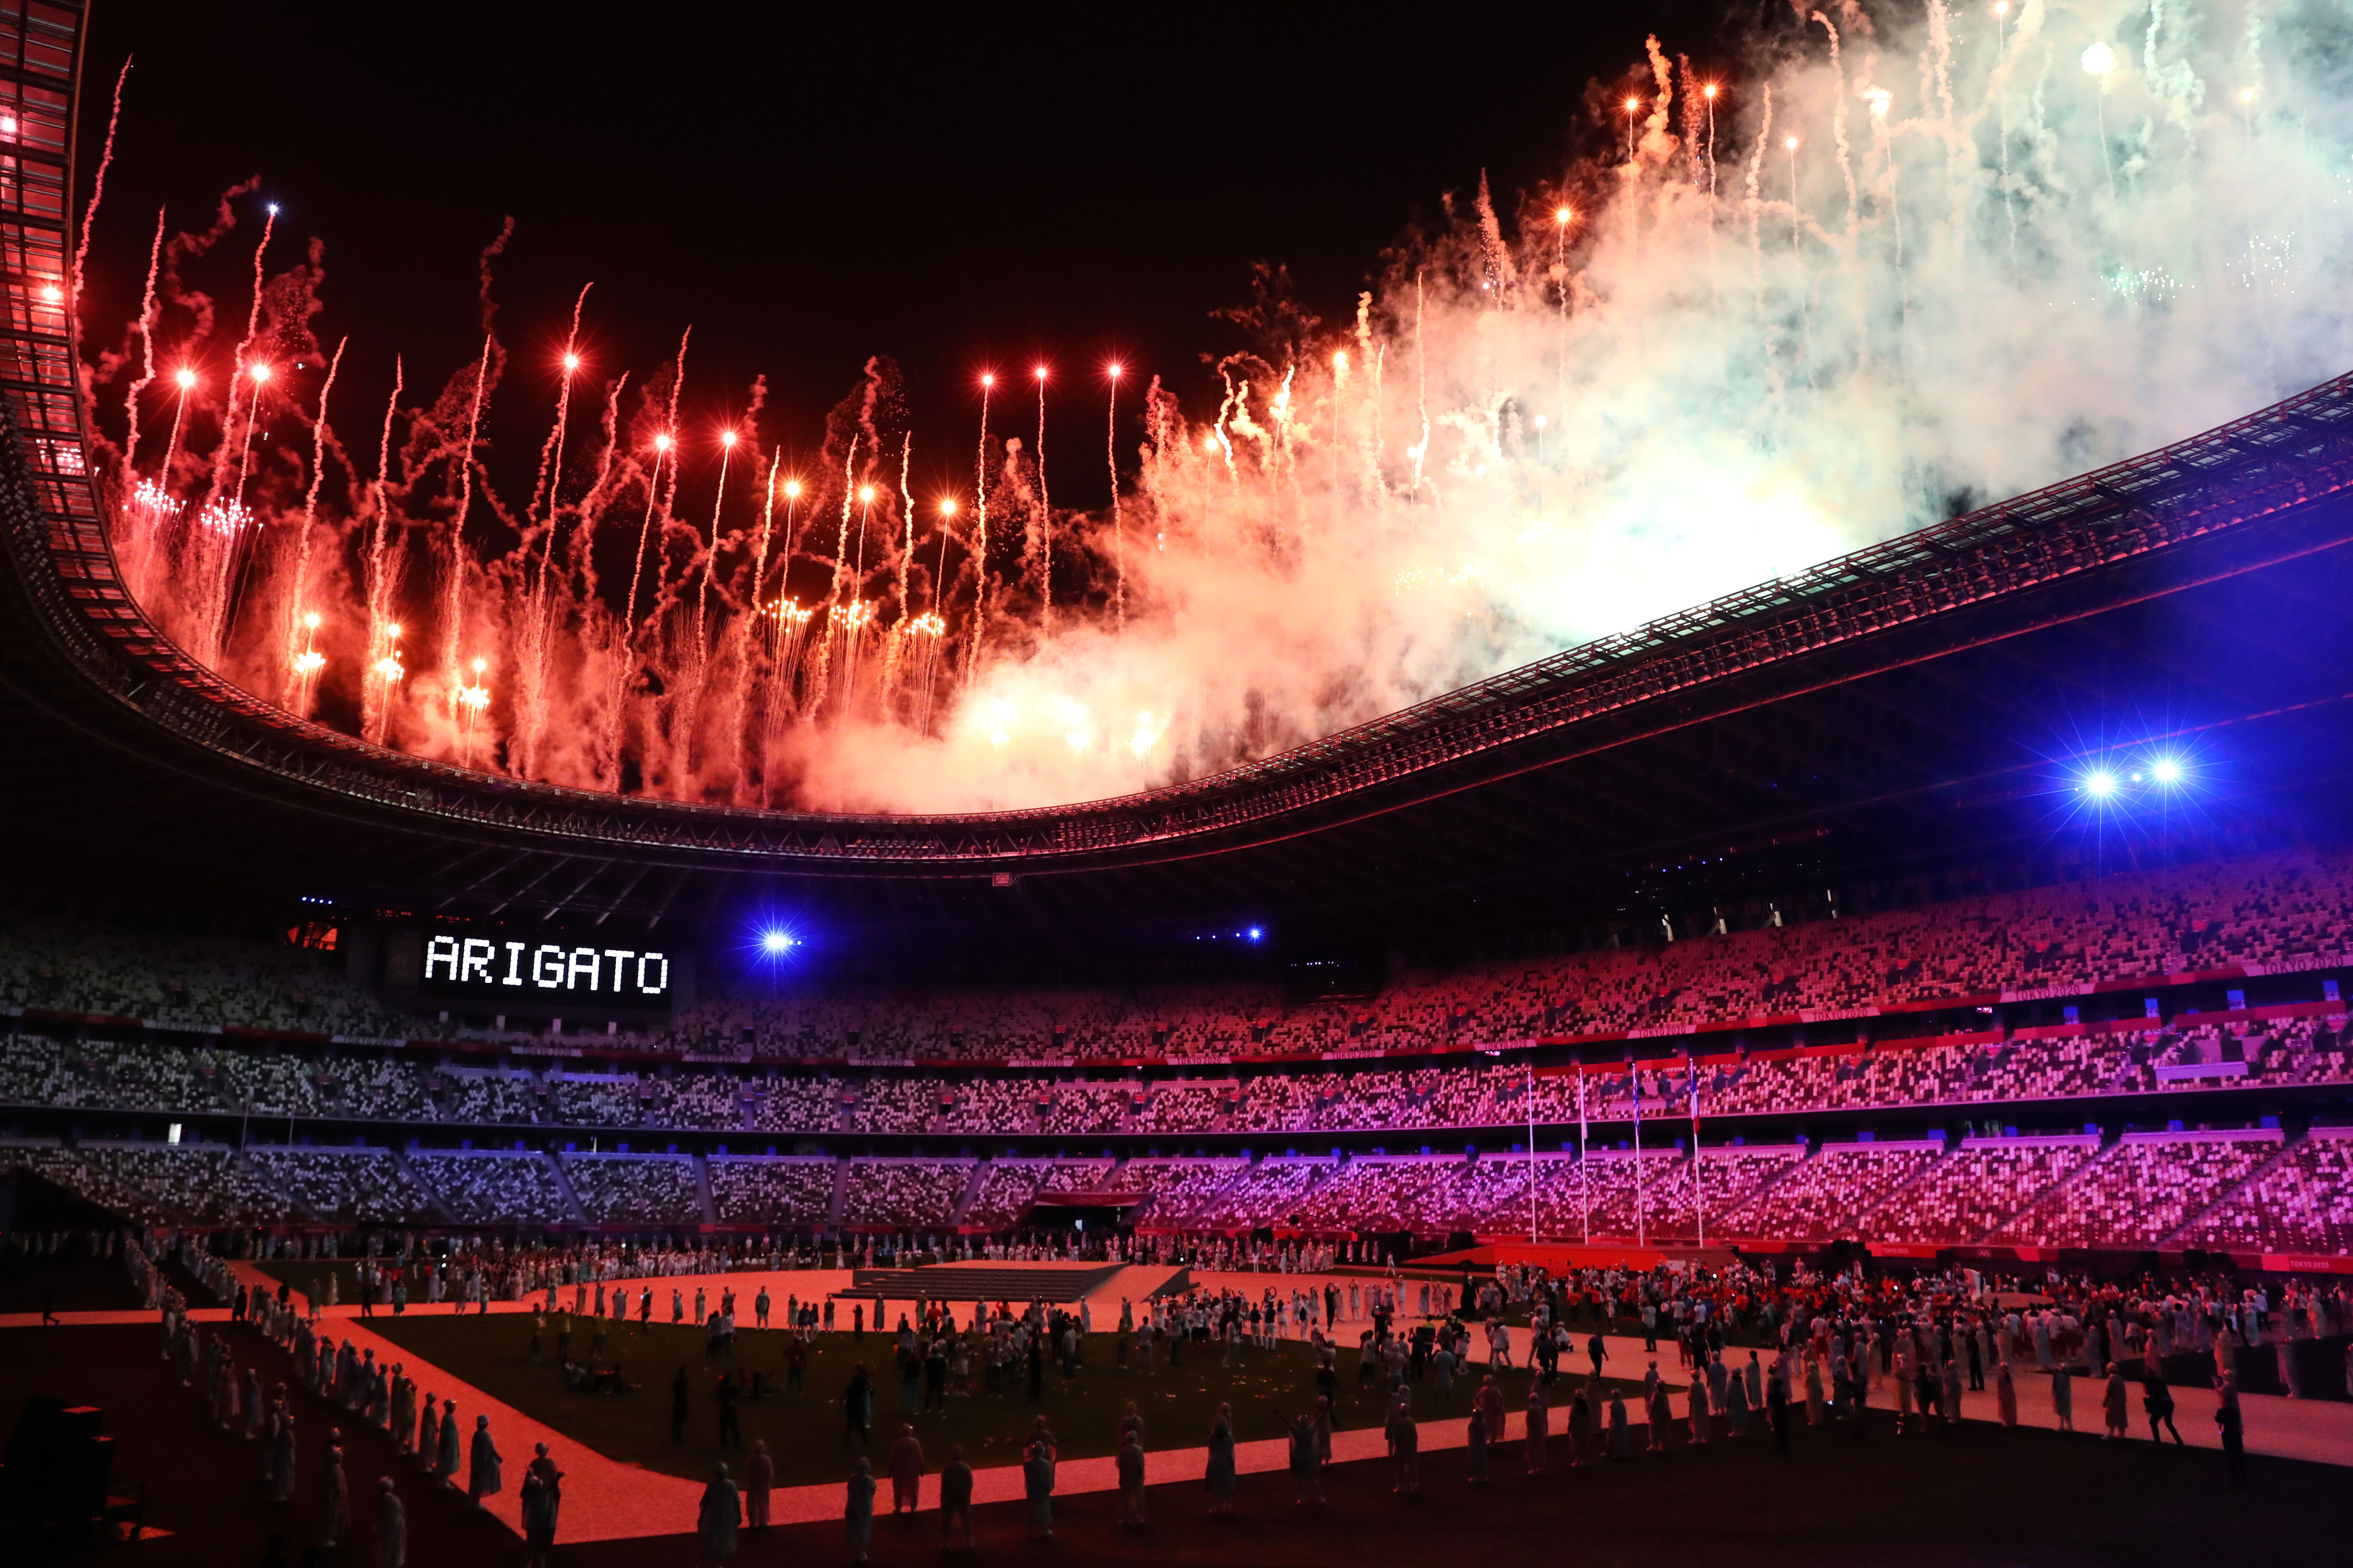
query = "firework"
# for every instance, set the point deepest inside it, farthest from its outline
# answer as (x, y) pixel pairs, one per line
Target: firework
(1593, 435)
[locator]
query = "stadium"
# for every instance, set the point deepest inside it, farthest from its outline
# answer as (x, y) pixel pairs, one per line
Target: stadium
(1931, 958)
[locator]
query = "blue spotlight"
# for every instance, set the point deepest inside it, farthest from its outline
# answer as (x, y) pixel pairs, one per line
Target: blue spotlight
(776, 943)
(2165, 770)
(2100, 783)
(1255, 933)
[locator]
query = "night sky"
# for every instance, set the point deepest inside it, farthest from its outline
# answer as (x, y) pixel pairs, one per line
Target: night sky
(982, 188)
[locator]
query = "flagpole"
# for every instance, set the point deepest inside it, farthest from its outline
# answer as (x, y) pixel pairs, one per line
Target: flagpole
(1642, 1232)
(1584, 1153)
(1529, 1063)
(1699, 1196)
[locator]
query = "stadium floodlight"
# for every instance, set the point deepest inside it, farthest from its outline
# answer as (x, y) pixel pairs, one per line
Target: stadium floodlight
(2166, 770)
(2099, 784)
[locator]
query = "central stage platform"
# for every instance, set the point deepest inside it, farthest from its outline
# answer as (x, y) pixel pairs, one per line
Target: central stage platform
(1011, 1282)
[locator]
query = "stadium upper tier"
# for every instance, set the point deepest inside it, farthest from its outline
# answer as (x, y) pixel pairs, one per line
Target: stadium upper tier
(1950, 1005)
(2272, 912)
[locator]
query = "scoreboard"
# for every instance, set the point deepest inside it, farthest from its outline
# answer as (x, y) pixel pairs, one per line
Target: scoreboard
(495, 967)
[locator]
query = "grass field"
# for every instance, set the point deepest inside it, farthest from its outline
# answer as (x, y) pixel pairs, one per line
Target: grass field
(805, 1433)
(1974, 1497)
(311, 1274)
(72, 1284)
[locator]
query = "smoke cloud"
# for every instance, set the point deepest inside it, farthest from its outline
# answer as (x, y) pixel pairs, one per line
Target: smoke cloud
(1910, 263)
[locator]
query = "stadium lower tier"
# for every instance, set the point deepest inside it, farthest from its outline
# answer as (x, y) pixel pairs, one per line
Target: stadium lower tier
(2297, 1045)
(2248, 1193)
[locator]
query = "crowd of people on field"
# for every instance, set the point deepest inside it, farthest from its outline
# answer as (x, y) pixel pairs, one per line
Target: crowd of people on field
(1757, 1350)
(357, 1388)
